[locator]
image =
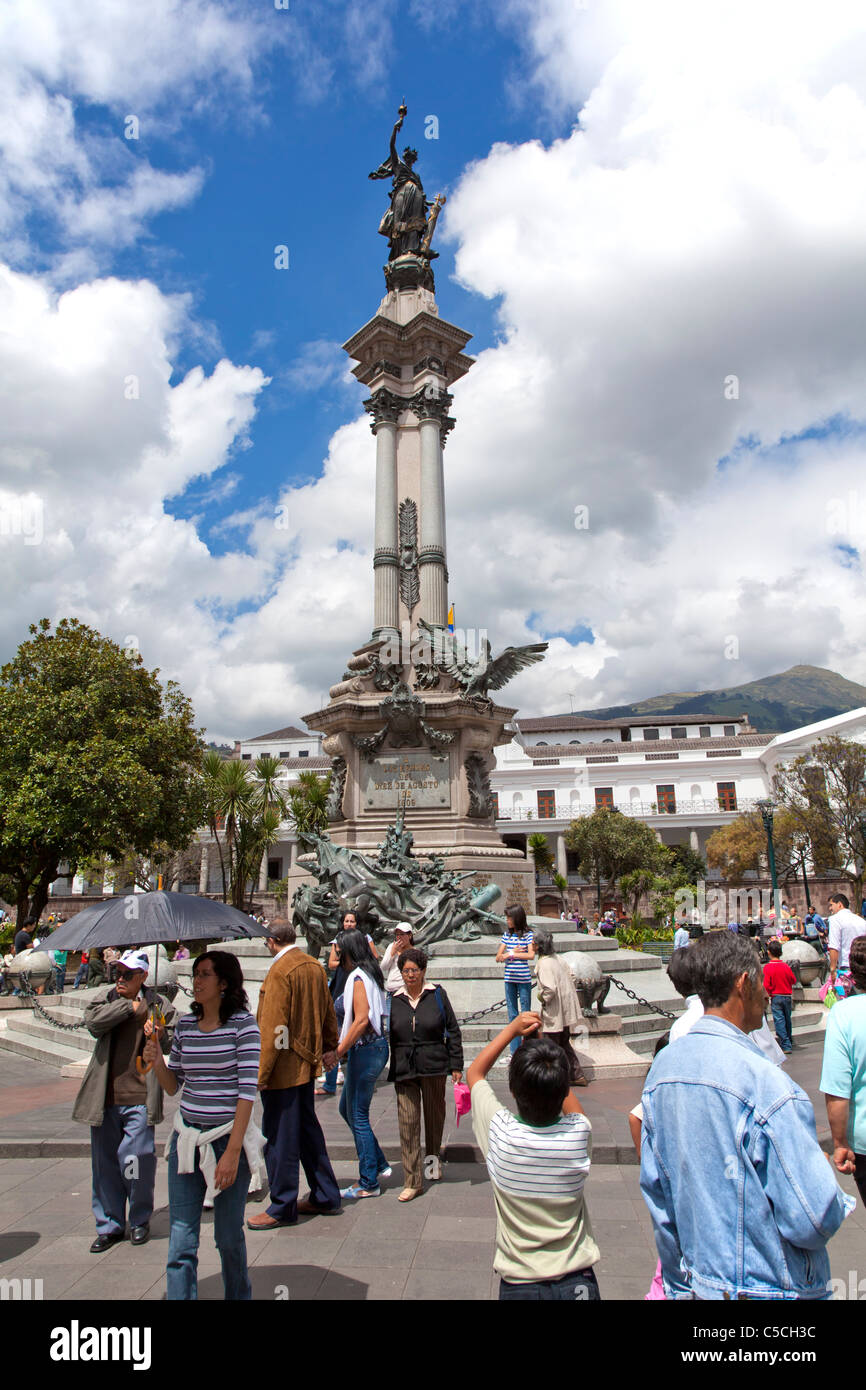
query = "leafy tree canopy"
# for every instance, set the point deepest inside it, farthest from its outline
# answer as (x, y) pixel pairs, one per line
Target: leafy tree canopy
(97, 758)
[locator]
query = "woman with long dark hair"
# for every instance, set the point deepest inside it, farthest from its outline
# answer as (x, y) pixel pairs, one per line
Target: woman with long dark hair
(363, 1049)
(516, 950)
(336, 985)
(215, 1059)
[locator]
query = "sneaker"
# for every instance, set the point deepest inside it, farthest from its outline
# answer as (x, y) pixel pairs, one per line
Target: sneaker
(358, 1191)
(385, 1172)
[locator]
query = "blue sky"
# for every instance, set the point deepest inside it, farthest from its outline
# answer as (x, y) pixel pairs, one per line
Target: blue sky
(296, 175)
(643, 202)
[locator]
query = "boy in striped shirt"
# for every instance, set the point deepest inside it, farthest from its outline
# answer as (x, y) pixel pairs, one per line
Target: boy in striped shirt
(538, 1161)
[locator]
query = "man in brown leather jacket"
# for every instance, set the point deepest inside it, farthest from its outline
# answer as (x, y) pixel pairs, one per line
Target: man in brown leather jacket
(298, 1025)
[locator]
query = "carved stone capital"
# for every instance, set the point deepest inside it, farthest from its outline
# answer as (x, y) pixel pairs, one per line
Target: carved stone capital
(385, 407)
(430, 405)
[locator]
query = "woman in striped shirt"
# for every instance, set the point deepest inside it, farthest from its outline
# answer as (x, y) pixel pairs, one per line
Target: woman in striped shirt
(516, 950)
(215, 1058)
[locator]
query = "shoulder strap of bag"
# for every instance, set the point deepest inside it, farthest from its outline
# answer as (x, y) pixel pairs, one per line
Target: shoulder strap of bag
(438, 993)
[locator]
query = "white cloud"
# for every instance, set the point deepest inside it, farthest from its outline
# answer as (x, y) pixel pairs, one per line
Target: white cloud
(705, 219)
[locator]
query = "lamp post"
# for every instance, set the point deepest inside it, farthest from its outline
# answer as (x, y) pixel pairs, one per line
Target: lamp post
(805, 879)
(766, 808)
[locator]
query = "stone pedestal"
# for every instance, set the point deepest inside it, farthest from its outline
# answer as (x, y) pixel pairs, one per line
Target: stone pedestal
(602, 1051)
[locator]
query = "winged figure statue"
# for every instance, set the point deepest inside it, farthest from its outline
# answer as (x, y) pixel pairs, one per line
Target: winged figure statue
(487, 673)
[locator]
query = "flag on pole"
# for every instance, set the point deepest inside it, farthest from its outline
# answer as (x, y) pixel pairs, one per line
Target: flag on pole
(451, 618)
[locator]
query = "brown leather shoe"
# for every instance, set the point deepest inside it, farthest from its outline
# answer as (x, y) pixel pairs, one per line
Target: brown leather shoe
(265, 1223)
(307, 1207)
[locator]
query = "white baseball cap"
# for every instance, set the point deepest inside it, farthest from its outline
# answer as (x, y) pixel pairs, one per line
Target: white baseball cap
(404, 927)
(135, 960)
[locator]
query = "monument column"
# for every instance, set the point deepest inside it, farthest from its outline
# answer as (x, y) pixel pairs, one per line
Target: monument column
(384, 406)
(432, 412)
(561, 856)
(203, 870)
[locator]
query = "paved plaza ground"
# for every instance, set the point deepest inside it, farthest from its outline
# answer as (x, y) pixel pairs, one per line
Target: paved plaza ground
(438, 1247)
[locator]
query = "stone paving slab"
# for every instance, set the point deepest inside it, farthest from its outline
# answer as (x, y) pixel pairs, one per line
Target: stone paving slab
(438, 1247)
(45, 1129)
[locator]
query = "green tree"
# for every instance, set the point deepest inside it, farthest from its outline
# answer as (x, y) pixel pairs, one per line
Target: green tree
(539, 852)
(245, 803)
(307, 804)
(740, 847)
(97, 758)
(560, 882)
(610, 845)
(824, 793)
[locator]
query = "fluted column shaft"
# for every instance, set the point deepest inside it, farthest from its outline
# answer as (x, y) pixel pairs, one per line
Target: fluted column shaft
(386, 597)
(434, 589)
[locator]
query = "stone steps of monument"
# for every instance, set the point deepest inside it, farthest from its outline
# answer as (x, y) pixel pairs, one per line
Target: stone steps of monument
(47, 1050)
(487, 946)
(36, 1027)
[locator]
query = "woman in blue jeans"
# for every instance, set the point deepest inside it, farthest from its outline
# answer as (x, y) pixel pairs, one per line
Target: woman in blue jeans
(363, 1050)
(215, 1058)
(516, 950)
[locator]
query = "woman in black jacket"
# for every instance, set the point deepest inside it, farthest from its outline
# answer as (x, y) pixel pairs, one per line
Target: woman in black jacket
(425, 1046)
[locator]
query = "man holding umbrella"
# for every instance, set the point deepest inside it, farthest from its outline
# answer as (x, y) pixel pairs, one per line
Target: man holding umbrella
(121, 1103)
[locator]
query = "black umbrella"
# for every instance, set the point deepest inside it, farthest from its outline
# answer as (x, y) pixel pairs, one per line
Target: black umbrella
(149, 918)
(145, 919)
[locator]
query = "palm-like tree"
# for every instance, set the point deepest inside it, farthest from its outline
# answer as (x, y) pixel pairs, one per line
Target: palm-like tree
(308, 804)
(212, 766)
(539, 851)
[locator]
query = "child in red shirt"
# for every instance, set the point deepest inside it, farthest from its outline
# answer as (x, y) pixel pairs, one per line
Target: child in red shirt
(779, 982)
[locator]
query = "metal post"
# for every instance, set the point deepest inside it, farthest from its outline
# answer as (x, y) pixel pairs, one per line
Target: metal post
(766, 808)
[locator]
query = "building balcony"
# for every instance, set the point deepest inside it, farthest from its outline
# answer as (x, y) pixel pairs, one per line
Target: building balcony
(643, 810)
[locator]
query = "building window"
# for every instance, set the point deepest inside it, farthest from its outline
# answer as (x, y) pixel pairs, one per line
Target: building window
(727, 796)
(572, 741)
(604, 798)
(494, 797)
(666, 800)
(679, 733)
(730, 730)
(284, 753)
(650, 733)
(275, 870)
(706, 731)
(541, 743)
(304, 753)
(246, 757)
(546, 805)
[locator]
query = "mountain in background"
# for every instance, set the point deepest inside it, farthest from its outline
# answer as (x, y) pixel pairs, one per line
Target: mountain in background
(774, 704)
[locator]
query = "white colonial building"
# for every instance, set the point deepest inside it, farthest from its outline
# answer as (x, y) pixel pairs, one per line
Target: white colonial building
(684, 777)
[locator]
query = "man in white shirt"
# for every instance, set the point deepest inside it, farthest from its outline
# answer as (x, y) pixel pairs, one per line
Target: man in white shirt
(844, 927)
(681, 936)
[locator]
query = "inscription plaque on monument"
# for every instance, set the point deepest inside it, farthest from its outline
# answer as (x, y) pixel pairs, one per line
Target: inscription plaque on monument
(407, 779)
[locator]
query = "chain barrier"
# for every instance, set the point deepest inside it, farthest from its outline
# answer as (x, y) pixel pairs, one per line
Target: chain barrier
(30, 995)
(482, 1013)
(653, 1008)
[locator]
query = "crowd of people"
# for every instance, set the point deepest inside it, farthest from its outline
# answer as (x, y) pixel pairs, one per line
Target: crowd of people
(743, 1201)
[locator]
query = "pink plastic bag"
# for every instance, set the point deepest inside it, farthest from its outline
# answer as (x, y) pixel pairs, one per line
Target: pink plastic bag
(828, 994)
(656, 1288)
(462, 1100)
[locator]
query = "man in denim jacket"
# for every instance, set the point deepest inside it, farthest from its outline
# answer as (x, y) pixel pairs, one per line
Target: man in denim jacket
(743, 1201)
